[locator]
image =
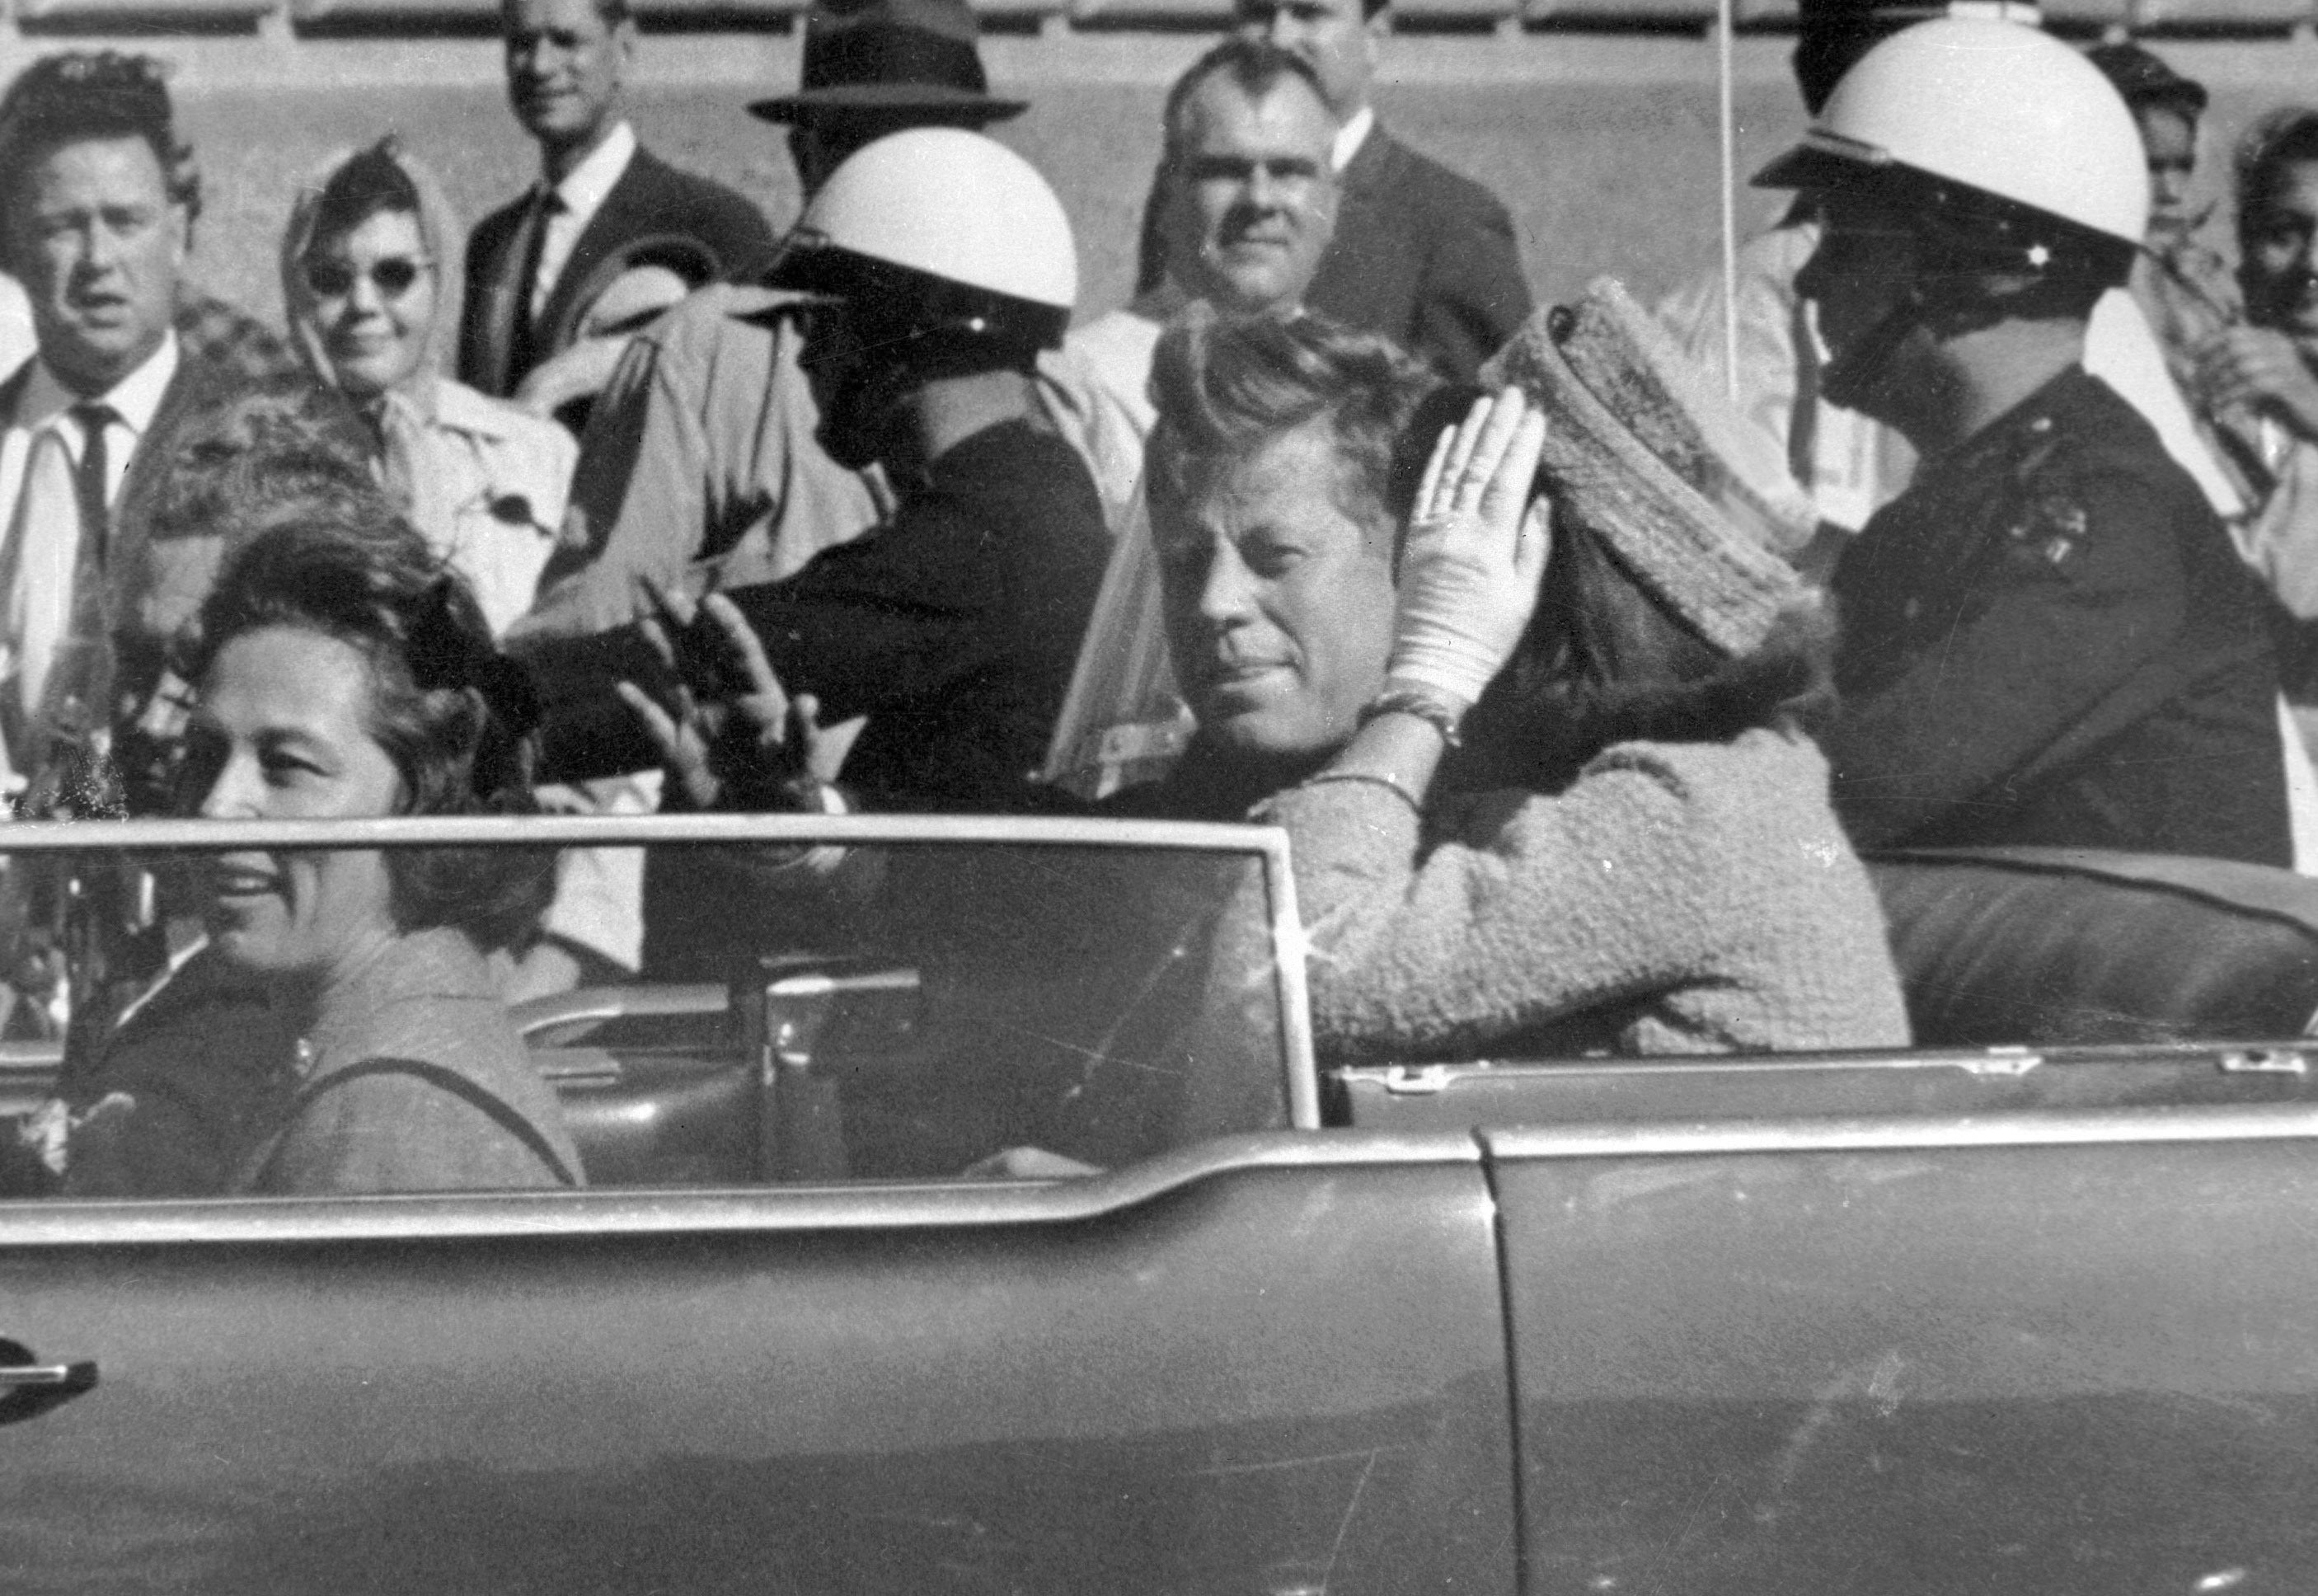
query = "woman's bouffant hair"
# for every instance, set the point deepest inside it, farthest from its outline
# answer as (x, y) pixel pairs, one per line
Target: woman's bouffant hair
(2284, 138)
(450, 712)
(1226, 386)
(1605, 661)
(372, 183)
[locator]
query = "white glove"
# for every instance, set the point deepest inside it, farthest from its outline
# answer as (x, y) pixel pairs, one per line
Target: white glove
(1476, 546)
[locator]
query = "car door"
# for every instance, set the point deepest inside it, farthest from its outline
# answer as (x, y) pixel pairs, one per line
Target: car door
(1262, 1360)
(2062, 1351)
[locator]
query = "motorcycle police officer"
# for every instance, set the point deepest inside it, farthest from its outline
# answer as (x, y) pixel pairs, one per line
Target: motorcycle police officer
(933, 265)
(2049, 637)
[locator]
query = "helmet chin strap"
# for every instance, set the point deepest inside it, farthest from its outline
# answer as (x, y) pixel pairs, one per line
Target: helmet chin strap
(1948, 306)
(1853, 375)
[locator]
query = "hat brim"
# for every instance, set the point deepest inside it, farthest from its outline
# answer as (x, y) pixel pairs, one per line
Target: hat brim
(1807, 166)
(837, 100)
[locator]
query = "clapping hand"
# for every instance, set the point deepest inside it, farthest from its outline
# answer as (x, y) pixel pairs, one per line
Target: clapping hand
(2260, 369)
(1476, 547)
(731, 736)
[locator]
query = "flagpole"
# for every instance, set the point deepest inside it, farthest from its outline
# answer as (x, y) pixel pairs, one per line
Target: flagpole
(1725, 22)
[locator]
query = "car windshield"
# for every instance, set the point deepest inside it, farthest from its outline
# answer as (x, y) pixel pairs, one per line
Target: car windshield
(197, 1009)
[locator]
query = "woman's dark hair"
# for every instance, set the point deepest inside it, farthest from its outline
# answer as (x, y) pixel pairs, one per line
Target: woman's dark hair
(1605, 661)
(2287, 137)
(371, 184)
(1226, 386)
(448, 710)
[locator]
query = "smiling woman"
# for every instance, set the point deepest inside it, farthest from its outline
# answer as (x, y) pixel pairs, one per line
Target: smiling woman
(342, 674)
(369, 277)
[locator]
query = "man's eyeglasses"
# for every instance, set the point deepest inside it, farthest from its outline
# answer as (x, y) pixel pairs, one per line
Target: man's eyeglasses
(393, 276)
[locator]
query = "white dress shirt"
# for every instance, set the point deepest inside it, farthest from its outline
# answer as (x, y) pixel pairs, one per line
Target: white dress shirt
(582, 191)
(38, 606)
(1349, 137)
(135, 400)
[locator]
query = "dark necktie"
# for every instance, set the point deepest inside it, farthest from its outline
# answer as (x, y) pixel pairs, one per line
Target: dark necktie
(521, 351)
(89, 478)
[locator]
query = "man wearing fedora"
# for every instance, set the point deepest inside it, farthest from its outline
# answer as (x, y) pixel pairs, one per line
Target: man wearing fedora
(700, 459)
(602, 201)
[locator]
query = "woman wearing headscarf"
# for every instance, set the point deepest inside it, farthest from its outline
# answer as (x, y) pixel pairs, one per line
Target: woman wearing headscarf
(369, 278)
(367, 274)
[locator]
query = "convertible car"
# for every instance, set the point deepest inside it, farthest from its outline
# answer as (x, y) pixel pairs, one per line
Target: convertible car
(972, 1215)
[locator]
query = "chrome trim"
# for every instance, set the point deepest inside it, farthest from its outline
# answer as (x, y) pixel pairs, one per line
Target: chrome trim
(2269, 1122)
(41, 1376)
(644, 999)
(641, 830)
(768, 1210)
(1288, 953)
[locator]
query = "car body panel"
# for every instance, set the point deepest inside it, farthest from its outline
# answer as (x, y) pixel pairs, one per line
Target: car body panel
(1146, 1384)
(2067, 1353)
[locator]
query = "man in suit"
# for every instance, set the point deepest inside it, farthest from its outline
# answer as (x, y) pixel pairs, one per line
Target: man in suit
(700, 456)
(94, 213)
(602, 200)
(1421, 255)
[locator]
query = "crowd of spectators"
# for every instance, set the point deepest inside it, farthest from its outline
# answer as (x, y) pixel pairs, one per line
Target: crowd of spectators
(1575, 712)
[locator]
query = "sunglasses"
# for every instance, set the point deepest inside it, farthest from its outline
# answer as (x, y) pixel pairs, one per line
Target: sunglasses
(393, 276)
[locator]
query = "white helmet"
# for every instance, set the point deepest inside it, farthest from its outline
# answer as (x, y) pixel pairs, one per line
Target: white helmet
(941, 228)
(1988, 111)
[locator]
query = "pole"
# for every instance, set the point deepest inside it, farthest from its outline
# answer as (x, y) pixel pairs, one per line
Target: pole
(1725, 23)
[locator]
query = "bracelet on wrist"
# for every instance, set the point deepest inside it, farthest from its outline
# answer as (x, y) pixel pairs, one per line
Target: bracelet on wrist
(1369, 779)
(1430, 708)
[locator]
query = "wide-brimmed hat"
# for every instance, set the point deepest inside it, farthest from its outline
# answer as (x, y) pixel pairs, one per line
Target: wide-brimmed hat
(889, 55)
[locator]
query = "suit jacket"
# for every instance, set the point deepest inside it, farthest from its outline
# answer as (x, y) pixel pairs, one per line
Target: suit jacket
(1421, 255)
(652, 201)
(153, 587)
(155, 580)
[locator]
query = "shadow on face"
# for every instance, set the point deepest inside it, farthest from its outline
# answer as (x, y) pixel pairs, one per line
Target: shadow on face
(98, 243)
(1279, 603)
(1253, 194)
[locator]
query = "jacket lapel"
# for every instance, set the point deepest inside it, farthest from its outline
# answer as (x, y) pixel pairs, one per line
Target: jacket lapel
(626, 211)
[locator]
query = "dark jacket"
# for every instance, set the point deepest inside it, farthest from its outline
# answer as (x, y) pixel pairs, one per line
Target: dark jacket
(651, 201)
(153, 588)
(1421, 255)
(2049, 639)
(953, 627)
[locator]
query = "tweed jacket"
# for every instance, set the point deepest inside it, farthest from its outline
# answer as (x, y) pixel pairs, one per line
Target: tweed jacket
(651, 199)
(1675, 898)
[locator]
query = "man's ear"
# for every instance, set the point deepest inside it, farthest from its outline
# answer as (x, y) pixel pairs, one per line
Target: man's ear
(181, 232)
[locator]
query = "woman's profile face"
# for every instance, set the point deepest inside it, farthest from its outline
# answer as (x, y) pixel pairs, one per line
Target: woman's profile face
(2280, 270)
(374, 301)
(282, 732)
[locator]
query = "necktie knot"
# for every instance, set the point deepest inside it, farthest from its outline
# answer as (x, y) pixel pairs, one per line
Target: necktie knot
(92, 479)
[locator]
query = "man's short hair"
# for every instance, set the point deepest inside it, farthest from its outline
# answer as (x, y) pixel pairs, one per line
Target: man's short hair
(1255, 65)
(1224, 387)
(612, 13)
(87, 94)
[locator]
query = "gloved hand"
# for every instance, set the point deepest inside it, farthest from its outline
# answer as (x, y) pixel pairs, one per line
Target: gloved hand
(1476, 546)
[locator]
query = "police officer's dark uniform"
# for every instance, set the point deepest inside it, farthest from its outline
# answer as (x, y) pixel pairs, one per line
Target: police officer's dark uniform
(953, 627)
(2049, 639)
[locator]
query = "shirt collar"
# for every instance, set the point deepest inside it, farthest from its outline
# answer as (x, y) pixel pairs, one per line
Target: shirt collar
(1352, 136)
(584, 186)
(135, 399)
